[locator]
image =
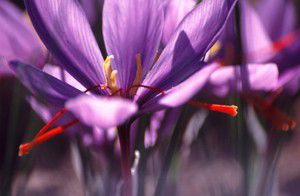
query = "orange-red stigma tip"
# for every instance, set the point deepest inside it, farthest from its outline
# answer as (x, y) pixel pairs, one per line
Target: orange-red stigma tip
(25, 149)
(226, 109)
(278, 119)
(291, 124)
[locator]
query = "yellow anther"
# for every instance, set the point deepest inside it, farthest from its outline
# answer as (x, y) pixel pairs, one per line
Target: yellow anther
(215, 49)
(110, 74)
(103, 86)
(113, 81)
(138, 74)
(107, 66)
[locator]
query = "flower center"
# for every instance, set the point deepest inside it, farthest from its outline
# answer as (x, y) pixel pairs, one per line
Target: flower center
(111, 77)
(111, 83)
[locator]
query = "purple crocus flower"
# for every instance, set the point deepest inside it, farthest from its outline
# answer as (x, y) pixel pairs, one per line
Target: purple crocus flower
(127, 84)
(279, 39)
(265, 44)
(263, 68)
(253, 76)
(18, 40)
(132, 32)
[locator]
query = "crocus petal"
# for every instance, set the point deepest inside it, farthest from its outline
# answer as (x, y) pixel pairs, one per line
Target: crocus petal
(100, 111)
(278, 16)
(41, 84)
(63, 27)
(47, 112)
(161, 126)
(18, 41)
(4, 68)
(186, 90)
(152, 132)
(181, 93)
(175, 11)
(98, 138)
(198, 31)
(132, 27)
(260, 77)
(93, 9)
(256, 41)
(61, 74)
(263, 77)
(43, 111)
(89, 9)
(290, 80)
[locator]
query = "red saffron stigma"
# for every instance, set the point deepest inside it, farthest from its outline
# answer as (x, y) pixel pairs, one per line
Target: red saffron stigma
(278, 119)
(284, 41)
(51, 122)
(227, 109)
(26, 148)
(43, 135)
(278, 45)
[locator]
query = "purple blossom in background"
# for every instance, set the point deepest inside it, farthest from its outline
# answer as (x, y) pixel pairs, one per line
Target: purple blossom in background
(263, 44)
(279, 39)
(18, 39)
(267, 58)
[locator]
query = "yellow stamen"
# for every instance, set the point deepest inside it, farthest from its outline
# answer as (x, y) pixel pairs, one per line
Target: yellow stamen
(107, 68)
(138, 74)
(110, 74)
(215, 49)
(113, 80)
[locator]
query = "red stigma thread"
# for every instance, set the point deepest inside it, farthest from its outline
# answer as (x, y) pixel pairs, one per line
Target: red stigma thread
(147, 87)
(25, 148)
(278, 119)
(51, 122)
(278, 45)
(44, 135)
(227, 109)
(284, 41)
